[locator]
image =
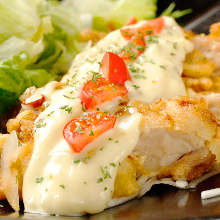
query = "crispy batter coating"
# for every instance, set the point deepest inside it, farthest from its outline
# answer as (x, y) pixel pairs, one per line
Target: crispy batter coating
(23, 124)
(176, 113)
(190, 166)
(215, 31)
(199, 84)
(125, 182)
(189, 35)
(174, 128)
(209, 45)
(197, 65)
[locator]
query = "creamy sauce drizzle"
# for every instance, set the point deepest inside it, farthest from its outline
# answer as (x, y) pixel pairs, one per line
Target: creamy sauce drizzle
(53, 182)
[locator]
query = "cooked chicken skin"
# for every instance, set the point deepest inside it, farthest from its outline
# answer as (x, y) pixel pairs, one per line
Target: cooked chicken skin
(175, 140)
(173, 128)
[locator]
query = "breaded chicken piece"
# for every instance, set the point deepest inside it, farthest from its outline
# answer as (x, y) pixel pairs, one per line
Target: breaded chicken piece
(210, 45)
(24, 155)
(173, 128)
(212, 99)
(175, 139)
(23, 124)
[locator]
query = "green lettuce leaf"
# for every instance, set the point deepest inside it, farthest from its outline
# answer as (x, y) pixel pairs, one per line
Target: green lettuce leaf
(141, 9)
(14, 79)
(18, 18)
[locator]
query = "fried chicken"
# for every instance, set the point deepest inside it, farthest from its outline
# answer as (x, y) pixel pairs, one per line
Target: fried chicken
(210, 45)
(174, 128)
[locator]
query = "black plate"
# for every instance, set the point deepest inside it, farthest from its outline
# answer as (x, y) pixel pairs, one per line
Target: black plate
(162, 202)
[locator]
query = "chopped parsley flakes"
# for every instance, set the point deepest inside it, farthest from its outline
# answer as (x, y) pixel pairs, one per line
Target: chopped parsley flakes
(175, 45)
(39, 180)
(96, 76)
(68, 97)
(139, 76)
(79, 129)
(152, 39)
(133, 68)
(84, 107)
(62, 186)
(149, 32)
(99, 180)
(136, 86)
(66, 108)
(105, 172)
(113, 164)
(76, 161)
(91, 133)
(50, 113)
(163, 67)
(40, 124)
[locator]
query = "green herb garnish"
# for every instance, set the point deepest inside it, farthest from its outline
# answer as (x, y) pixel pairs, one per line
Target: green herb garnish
(96, 76)
(62, 186)
(91, 133)
(40, 124)
(136, 86)
(39, 179)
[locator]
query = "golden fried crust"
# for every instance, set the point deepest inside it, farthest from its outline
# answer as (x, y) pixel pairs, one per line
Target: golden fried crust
(188, 115)
(24, 156)
(199, 84)
(189, 35)
(176, 127)
(215, 31)
(191, 116)
(23, 124)
(212, 99)
(125, 182)
(197, 65)
(209, 45)
(179, 120)
(190, 166)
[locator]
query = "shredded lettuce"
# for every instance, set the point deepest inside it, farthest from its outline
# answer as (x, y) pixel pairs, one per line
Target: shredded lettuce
(138, 8)
(15, 77)
(116, 12)
(18, 18)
